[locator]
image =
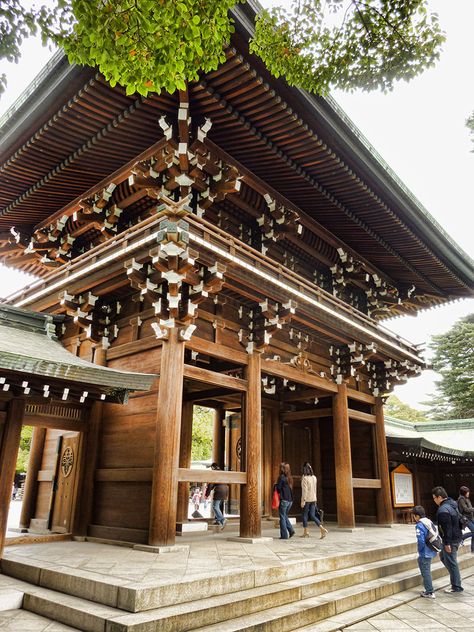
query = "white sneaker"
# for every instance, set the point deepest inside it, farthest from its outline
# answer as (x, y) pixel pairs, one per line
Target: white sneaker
(427, 595)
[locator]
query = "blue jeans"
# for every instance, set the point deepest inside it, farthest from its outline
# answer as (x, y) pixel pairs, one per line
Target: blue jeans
(424, 564)
(450, 560)
(217, 507)
(285, 526)
(470, 526)
(310, 509)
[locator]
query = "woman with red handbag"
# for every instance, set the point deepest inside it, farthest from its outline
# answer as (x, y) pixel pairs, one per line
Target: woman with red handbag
(284, 486)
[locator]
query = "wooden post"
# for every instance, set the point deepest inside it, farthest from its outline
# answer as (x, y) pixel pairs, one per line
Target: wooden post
(267, 462)
(218, 440)
(90, 453)
(8, 457)
(342, 459)
(316, 458)
(250, 519)
(185, 447)
(277, 448)
(164, 493)
(384, 501)
(31, 484)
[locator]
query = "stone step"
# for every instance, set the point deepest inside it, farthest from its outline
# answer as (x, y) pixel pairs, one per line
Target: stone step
(272, 606)
(306, 613)
(22, 620)
(135, 597)
(358, 615)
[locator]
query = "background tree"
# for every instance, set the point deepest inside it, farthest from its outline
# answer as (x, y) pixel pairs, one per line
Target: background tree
(24, 449)
(454, 361)
(394, 407)
(147, 45)
(203, 429)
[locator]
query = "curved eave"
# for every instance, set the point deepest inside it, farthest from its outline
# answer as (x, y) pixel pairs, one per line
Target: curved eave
(423, 444)
(348, 141)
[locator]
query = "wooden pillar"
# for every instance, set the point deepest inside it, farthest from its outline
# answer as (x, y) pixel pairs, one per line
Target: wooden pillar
(267, 462)
(90, 454)
(31, 484)
(185, 447)
(277, 448)
(90, 445)
(8, 457)
(164, 493)
(218, 440)
(342, 459)
(316, 458)
(250, 505)
(384, 501)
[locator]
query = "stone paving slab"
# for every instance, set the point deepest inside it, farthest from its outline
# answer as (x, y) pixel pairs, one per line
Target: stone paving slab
(209, 554)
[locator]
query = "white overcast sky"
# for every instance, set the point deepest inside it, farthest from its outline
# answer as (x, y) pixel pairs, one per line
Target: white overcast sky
(419, 129)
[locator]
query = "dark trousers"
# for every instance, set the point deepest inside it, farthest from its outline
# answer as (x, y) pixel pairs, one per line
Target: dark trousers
(450, 560)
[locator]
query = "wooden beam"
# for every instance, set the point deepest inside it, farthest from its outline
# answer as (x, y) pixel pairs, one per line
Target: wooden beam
(314, 413)
(360, 396)
(55, 424)
(212, 476)
(384, 499)
(212, 377)
(216, 350)
(366, 483)
(273, 367)
(8, 456)
(303, 394)
(164, 495)
(357, 415)
(342, 460)
(212, 393)
(250, 500)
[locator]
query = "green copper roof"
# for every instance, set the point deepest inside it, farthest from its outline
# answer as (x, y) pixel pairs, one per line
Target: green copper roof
(29, 349)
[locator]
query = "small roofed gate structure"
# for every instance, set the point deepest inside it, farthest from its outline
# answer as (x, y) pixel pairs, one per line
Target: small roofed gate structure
(242, 240)
(44, 385)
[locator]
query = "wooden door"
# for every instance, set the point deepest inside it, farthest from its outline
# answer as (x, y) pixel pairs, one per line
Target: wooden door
(65, 483)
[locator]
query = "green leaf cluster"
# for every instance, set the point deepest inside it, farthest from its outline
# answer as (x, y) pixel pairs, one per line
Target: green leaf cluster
(348, 44)
(17, 22)
(24, 449)
(145, 45)
(394, 407)
(454, 361)
(203, 430)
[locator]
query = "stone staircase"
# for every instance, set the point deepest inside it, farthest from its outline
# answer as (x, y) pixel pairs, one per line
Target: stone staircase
(290, 597)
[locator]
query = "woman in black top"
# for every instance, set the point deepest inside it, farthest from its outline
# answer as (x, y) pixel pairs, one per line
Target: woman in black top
(466, 509)
(284, 486)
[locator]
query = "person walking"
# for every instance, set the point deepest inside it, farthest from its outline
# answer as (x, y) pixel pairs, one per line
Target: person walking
(425, 554)
(220, 495)
(284, 486)
(466, 509)
(308, 501)
(451, 534)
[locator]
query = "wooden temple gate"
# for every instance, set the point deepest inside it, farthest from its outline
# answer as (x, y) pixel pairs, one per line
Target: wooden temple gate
(243, 241)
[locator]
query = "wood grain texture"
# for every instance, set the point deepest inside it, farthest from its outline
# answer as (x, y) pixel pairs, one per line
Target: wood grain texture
(343, 461)
(185, 445)
(164, 497)
(384, 500)
(31, 482)
(250, 502)
(8, 456)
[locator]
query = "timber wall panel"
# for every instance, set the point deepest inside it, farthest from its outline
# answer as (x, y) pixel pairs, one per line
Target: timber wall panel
(363, 466)
(327, 466)
(122, 504)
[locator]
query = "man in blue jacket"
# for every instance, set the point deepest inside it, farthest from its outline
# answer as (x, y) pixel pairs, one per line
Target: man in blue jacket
(451, 534)
(425, 554)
